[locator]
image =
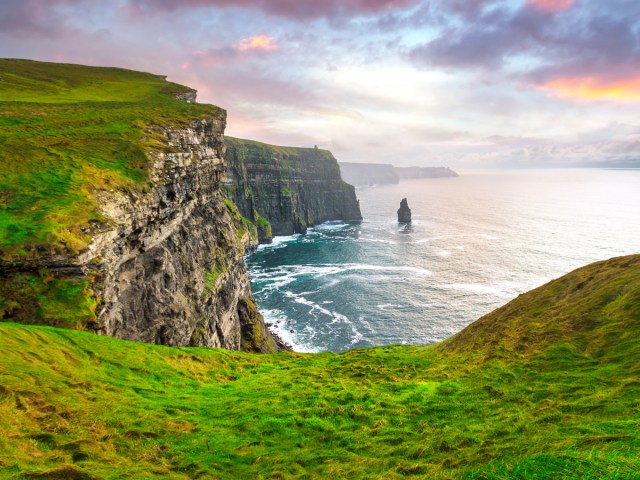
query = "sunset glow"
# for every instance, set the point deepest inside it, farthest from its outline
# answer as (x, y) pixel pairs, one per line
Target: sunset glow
(257, 42)
(591, 88)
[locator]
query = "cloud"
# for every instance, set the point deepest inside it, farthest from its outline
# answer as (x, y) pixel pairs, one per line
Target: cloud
(591, 51)
(257, 42)
(593, 88)
(551, 5)
(250, 47)
(28, 18)
(292, 9)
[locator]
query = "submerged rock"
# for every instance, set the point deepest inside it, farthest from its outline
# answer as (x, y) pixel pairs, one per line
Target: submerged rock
(404, 212)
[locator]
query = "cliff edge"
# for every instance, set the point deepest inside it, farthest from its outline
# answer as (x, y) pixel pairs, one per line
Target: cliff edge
(112, 217)
(287, 188)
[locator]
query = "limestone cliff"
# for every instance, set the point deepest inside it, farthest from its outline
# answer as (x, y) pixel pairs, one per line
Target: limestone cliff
(165, 263)
(410, 173)
(368, 174)
(290, 188)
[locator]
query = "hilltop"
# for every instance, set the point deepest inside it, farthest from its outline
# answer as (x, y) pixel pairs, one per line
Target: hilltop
(68, 131)
(544, 387)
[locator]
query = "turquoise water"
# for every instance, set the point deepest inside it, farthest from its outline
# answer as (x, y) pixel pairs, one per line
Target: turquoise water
(476, 242)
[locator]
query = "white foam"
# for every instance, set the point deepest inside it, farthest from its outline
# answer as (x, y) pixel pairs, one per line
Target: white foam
(385, 306)
(279, 242)
(336, 317)
(279, 326)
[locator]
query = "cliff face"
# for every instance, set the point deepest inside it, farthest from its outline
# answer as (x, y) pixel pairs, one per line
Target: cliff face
(368, 174)
(173, 267)
(292, 188)
(410, 173)
(165, 265)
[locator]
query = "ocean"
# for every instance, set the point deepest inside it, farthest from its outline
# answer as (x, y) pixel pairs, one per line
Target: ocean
(476, 242)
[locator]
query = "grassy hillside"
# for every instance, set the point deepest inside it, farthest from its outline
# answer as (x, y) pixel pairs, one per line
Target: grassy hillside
(66, 132)
(545, 387)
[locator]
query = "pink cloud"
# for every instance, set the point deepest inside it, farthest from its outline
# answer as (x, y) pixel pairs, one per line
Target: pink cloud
(551, 5)
(257, 42)
(594, 88)
(256, 45)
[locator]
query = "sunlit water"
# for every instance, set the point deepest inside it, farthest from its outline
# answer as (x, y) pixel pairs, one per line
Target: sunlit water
(476, 242)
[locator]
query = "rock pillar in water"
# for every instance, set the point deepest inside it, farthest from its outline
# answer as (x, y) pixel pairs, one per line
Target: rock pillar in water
(404, 212)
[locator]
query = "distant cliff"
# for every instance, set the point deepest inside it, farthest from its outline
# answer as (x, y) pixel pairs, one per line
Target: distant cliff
(284, 190)
(368, 174)
(410, 173)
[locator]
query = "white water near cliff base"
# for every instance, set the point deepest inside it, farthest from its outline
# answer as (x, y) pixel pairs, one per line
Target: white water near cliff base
(476, 242)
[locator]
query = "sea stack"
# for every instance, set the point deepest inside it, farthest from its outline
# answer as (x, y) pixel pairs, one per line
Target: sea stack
(404, 212)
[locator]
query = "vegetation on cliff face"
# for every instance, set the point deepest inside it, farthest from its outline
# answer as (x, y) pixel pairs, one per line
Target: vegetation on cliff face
(545, 387)
(284, 190)
(67, 132)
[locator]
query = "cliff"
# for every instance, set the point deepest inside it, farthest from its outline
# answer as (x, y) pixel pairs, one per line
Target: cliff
(112, 217)
(410, 173)
(284, 190)
(368, 174)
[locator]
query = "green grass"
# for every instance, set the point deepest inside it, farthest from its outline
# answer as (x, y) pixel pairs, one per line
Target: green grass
(546, 387)
(68, 132)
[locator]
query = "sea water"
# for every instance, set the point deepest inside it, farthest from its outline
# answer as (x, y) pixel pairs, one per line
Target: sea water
(475, 243)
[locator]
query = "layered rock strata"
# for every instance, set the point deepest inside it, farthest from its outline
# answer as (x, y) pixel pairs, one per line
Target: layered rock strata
(167, 265)
(289, 188)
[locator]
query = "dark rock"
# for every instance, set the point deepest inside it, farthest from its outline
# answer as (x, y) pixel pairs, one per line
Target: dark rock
(404, 212)
(292, 188)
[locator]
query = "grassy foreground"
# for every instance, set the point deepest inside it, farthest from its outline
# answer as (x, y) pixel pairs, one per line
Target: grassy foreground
(545, 387)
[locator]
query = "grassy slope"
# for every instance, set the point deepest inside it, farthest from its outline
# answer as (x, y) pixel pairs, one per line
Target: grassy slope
(67, 131)
(546, 387)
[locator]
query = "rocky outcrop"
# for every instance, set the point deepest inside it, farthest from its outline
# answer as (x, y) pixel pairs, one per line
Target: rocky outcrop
(284, 190)
(410, 173)
(368, 174)
(404, 212)
(167, 265)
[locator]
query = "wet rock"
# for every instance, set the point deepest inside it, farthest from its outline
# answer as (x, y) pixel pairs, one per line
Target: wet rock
(404, 212)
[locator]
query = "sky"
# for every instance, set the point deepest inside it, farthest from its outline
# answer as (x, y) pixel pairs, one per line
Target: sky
(460, 83)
